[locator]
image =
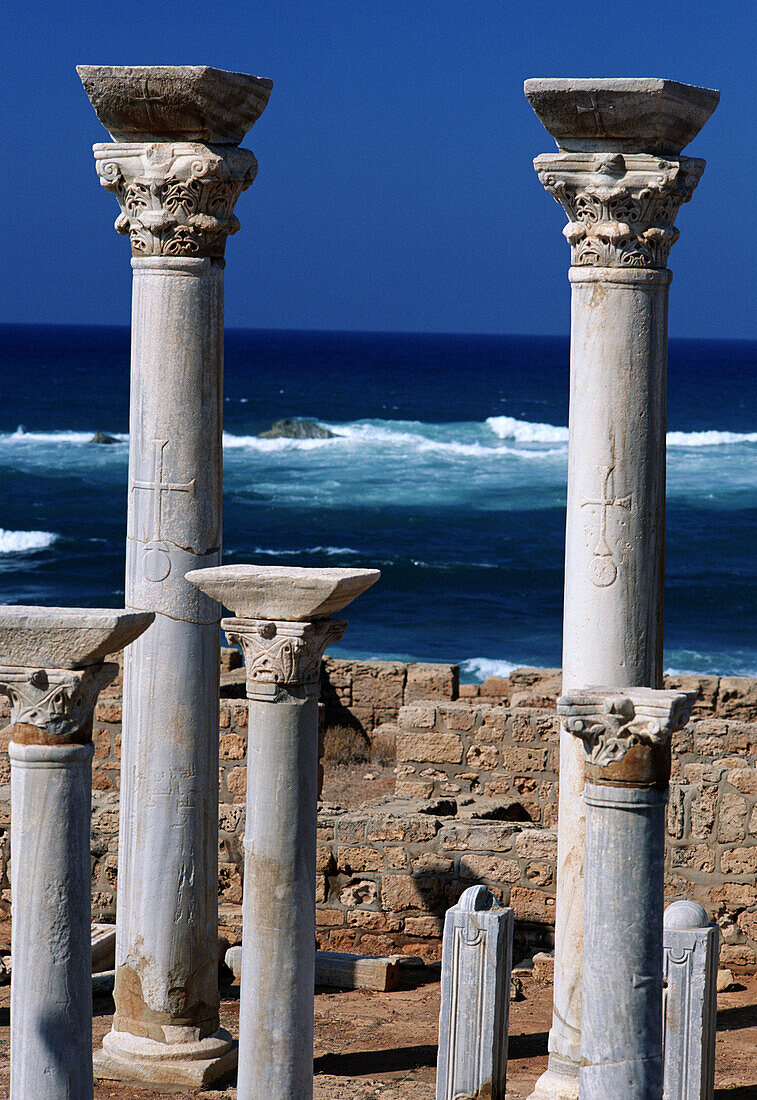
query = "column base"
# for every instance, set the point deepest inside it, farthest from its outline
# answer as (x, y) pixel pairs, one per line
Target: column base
(553, 1085)
(130, 1058)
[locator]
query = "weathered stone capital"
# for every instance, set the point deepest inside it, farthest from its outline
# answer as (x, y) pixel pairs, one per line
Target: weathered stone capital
(612, 723)
(176, 198)
(620, 206)
(54, 706)
(282, 653)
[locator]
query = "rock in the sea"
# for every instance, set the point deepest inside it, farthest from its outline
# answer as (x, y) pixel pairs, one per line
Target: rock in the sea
(103, 437)
(296, 429)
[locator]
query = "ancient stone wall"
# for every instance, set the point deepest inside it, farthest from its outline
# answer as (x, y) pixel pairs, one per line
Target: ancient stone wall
(477, 785)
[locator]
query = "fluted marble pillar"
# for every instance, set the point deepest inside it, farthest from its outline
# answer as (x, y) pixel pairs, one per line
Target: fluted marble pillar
(283, 626)
(176, 171)
(51, 668)
(620, 178)
(626, 749)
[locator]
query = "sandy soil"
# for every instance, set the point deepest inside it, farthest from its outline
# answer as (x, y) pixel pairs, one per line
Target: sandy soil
(382, 1046)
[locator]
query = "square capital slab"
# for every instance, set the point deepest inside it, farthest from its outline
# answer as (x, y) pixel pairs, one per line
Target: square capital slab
(66, 637)
(286, 593)
(175, 102)
(624, 115)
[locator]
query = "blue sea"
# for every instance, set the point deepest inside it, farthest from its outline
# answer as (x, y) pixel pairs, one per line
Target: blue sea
(448, 472)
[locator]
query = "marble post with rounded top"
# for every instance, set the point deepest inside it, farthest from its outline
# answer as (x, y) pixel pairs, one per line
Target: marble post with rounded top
(620, 178)
(176, 170)
(52, 669)
(282, 625)
(625, 739)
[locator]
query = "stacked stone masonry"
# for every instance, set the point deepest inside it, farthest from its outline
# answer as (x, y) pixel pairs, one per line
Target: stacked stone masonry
(475, 801)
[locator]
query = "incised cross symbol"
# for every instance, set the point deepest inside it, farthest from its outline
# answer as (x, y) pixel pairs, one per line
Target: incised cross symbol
(148, 100)
(602, 567)
(156, 561)
(593, 109)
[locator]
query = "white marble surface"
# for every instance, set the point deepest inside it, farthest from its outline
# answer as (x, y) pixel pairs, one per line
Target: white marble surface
(690, 947)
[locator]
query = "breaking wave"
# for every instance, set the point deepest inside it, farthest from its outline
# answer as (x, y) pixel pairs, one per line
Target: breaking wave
(15, 542)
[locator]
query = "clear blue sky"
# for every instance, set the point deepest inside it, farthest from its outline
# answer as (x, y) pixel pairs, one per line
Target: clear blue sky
(395, 189)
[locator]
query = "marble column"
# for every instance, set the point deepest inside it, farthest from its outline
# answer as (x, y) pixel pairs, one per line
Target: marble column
(625, 739)
(51, 668)
(176, 170)
(283, 627)
(620, 178)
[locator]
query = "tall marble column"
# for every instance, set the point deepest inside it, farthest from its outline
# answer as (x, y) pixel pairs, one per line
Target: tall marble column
(620, 178)
(282, 623)
(51, 668)
(176, 170)
(626, 748)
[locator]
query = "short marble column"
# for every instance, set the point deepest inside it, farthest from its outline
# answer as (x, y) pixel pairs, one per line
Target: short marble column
(51, 668)
(626, 747)
(690, 946)
(620, 178)
(476, 966)
(283, 627)
(176, 170)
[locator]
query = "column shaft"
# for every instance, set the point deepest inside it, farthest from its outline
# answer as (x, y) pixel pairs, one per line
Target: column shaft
(621, 1036)
(51, 987)
(614, 553)
(278, 961)
(166, 955)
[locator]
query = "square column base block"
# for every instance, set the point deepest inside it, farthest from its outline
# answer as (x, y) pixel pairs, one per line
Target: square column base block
(138, 1061)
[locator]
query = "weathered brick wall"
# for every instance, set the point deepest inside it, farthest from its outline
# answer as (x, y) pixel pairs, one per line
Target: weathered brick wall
(465, 758)
(387, 873)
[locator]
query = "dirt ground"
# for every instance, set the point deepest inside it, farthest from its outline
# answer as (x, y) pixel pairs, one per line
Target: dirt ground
(382, 1046)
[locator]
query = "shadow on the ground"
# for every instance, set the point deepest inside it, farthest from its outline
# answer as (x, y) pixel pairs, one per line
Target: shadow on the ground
(5, 1017)
(733, 1019)
(527, 1046)
(739, 1092)
(102, 1005)
(364, 1062)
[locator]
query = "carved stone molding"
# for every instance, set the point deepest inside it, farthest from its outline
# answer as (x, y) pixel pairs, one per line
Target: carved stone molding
(284, 653)
(176, 198)
(610, 723)
(620, 206)
(54, 705)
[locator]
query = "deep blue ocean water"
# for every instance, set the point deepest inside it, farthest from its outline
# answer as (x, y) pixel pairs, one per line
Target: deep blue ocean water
(448, 473)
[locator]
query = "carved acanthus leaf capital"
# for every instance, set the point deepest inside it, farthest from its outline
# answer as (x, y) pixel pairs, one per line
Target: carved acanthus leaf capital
(176, 198)
(54, 705)
(283, 653)
(610, 722)
(620, 206)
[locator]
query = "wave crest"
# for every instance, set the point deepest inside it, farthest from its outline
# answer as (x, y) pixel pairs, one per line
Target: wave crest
(15, 542)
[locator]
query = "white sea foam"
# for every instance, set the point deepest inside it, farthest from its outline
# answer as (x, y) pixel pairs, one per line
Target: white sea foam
(330, 551)
(709, 438)
(482, 667)
(523, 431)
(14, 542)
(22, 436)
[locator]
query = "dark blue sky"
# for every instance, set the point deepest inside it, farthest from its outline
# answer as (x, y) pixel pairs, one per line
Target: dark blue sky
(395, 187)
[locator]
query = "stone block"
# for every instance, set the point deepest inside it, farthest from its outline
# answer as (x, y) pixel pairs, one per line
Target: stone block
(350, 830)
(739, 861)
(520, 759)
(737, 698)
(706, 688)
(378, 683)
(425, 681)
(459, 716)
(236, 780)
(744, 780)
(400, 892)
(740, 956)
(485, 837)
(372, 921)
(396, 857)
(468, 691)
(532, 905)
(695, 857)
(232, 746)
(424, 926)
(475, 998)
(690, 948)
(417, 716)
(355, 860)
(324, 859)
(537, 844)
(412, 829)
(429, 747)
(429, 863)
(364, 892)
(732, 818)
(414, 788)
(488, 868)
(482, 757)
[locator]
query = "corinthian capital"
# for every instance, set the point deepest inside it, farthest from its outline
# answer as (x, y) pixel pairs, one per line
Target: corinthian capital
(176, 199)
(611, 723)
(54, 706)
(620, 206)
(282, 653)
